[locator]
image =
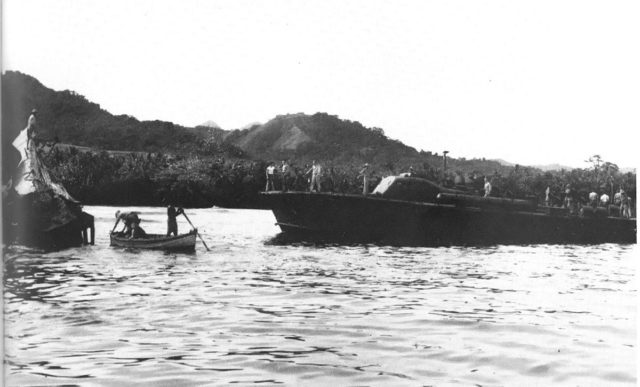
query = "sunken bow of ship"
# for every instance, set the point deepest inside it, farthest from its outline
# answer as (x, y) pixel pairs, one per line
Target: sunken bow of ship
(36, 210)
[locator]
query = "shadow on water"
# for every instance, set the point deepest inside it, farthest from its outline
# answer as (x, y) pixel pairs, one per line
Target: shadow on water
(321, 241)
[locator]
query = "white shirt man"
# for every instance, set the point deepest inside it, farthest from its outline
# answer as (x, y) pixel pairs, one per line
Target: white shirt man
(271, 169)
(365, 172)
(31, 122)
(617, 198)
(487, 187)
(31, 125)
(316, 175)
(547, 196)
(285, 170)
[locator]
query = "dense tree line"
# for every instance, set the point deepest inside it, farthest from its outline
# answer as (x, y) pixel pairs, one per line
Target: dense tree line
(68, 117)
(203, 166)
(200, 181)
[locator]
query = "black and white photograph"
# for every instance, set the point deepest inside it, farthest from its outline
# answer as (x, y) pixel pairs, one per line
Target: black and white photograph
(320, 192)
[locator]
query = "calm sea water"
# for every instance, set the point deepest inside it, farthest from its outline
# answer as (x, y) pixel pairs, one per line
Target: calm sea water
(251, 312)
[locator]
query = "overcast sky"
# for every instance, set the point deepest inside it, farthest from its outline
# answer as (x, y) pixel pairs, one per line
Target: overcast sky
(531, 82)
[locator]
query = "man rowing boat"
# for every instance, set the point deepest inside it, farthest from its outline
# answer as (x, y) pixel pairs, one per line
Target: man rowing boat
(172, 224)
(129, 219)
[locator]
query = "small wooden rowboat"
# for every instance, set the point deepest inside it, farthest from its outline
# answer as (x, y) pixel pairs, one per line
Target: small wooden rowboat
(182, 242)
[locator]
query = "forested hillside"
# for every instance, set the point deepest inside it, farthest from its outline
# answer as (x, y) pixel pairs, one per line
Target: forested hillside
(71, 118)
(67, 117)
(106, 159)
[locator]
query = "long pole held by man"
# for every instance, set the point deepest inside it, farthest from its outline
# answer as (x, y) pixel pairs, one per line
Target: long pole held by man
(197, 233)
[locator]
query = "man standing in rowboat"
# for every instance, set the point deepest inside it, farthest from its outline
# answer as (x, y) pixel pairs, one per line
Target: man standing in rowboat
(172, 224)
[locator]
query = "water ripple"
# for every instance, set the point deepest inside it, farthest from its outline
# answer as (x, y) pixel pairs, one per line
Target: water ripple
(257, 310)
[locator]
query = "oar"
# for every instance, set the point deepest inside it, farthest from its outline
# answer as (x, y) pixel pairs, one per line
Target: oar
(200, 236)
(115, 225)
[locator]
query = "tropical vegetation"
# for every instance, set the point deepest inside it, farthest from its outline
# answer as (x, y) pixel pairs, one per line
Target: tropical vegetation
(118, 160)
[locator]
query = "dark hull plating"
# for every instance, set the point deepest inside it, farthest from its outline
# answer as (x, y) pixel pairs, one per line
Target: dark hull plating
(69, 235)
(54, 225)
(374, 219)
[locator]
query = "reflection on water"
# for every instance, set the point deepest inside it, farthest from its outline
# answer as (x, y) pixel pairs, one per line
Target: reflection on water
(252, 311)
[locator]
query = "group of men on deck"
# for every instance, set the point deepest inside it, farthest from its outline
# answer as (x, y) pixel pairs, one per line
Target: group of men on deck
(286, 174)
(315, 174)
(621, 200)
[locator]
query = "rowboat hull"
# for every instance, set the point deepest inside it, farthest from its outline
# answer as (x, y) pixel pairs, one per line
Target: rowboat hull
(183, 242)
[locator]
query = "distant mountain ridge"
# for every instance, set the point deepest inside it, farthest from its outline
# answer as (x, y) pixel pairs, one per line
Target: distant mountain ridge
(319, 136)
(210, 124)
(543, 167)
(251, 125)
(553, 167)
(70, 118)
(504, 162)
